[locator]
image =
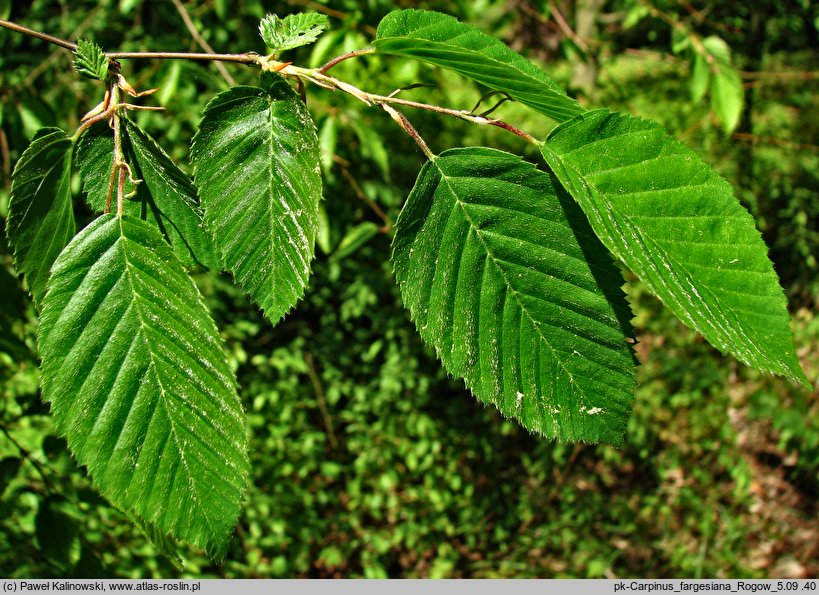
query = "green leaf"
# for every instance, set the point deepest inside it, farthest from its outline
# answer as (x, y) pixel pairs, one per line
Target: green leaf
(356, 237)
(678, 226)
(294, 30)
(717, 47)
(680, 40)
(165, 196)
(504, 277)
(172, 198)
(139, 384)
(256, 160)
(442, 40)
(700, 76)
(161, 540)
(727, 96)
(94, 157)
(90, 61)
(41, 217)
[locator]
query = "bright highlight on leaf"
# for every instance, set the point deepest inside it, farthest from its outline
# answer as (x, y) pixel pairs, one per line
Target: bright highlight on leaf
(727, 94)
(504, 277)
(41, 218)
(294, 30)
(442, 40)
(256, 159)
(139, 385)
(90, 61)
(678, 226)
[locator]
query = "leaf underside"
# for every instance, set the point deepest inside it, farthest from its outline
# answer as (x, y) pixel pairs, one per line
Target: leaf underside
(41, 218)
(442, 40)
(504, 277)
(678, 226)
(165, 195)
(139, 384)
(256, 159)
(292, 31)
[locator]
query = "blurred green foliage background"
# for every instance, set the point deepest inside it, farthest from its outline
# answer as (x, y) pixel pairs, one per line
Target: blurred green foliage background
(367, 460)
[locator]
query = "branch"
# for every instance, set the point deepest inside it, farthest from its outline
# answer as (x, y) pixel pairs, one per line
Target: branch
(334, 84)
(359, 192)
(246, 58)
(321, 400)
(44, 36)
(316, 76)
(28, 456)
(201, 40)
(343, 57)
(566, 29)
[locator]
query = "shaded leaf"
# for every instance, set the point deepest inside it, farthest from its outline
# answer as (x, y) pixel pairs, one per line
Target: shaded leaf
(172, 198)
(41, 219)
(166, 197)
(727, 96)
(355, 237)
(139, 384)
(678, 226)
(700, 76)
(94, 157)
(442, 40)
(504, 277)
(256, 159)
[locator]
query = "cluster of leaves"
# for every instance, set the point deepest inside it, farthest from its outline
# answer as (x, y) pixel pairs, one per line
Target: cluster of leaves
(504, 267)
(711, 68)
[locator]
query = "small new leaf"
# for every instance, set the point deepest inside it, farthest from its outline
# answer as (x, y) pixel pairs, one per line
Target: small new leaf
(90, 61)
(294, 30)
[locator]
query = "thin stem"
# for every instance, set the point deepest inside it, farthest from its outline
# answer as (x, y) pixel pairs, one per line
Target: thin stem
(402, 121)
(119, 161)
(316, 76)
(343, 57)
(197, 37)
(27, 455)
(320, 398)
(108, 197)
(566, 29)
(121, 190)
(246, 58)
(359, 192)
(44, 36)
(331, 83)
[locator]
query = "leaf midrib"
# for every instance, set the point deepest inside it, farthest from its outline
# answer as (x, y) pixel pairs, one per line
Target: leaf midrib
(153, 368)
(491, 255)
